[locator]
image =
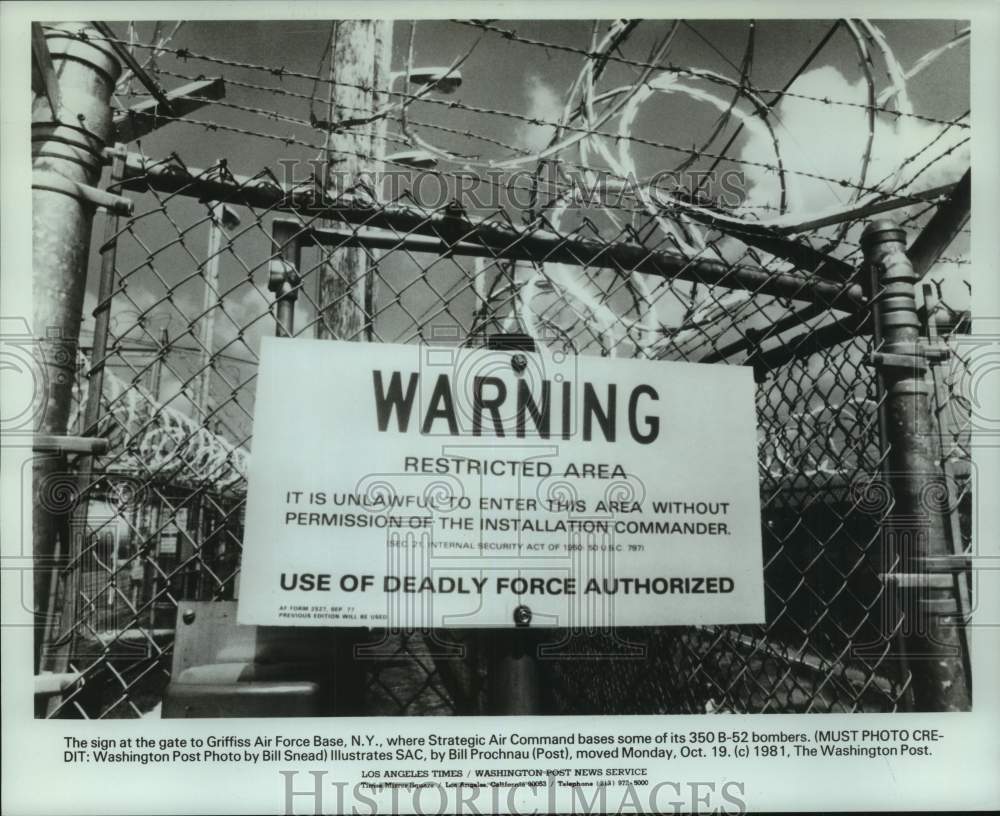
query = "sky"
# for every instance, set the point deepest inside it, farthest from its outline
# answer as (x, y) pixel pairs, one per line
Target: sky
(530, 81)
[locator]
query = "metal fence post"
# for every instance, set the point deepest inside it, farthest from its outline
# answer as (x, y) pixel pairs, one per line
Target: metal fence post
(360, 59)
(67, 147)
(156, 371)
(57, 659)
(222, 218)
(514, 677)
(926, 573)
(283, 277)
(102, 313)
(359, 80)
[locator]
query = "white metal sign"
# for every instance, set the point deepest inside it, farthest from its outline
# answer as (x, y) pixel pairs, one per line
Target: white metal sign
(427, 486)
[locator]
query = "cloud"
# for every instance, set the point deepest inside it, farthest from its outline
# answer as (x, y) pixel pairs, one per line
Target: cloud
(829, 140)
(544, 103)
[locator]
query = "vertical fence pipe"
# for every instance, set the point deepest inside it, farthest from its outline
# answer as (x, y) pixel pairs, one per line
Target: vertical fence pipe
(283, 274)
(92, 407)
(944, 437)
(156, 375)
(514, 683)
(360, 57)
(211, 296)
(68, 143)
(285, 318)
(359, 69)
(102, 314)
(928, 591)
(222, 219)
(514, 677)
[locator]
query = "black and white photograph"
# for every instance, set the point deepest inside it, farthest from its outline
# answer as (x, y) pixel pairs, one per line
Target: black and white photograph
(554, 369)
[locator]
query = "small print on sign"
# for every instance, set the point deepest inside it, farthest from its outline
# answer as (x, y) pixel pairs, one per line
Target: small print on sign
(427, 486)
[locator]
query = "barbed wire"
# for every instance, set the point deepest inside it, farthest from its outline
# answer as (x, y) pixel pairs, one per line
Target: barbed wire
(531, 120)
(732, 228)
(281, 72)
(513, 36)
(816, 411)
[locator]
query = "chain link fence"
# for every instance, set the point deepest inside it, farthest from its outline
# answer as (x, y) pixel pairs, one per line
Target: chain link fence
(220, 252)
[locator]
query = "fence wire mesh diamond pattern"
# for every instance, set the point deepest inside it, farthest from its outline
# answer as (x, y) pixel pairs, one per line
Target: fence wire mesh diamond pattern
(551, 220)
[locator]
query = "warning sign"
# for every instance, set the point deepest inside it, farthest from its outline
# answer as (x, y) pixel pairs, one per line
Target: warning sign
(410, 485)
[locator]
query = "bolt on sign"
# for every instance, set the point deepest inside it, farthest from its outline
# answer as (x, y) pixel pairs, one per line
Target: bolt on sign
(428, 486)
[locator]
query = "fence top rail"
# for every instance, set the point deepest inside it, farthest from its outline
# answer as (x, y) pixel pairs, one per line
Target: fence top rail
(535, 242)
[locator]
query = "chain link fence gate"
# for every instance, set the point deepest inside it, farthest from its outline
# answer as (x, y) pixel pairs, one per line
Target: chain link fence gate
(581, 252)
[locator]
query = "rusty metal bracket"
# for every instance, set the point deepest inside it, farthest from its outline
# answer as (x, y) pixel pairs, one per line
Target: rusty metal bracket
(936, 352)
(907, 356)
(54, 443)
(932, 565)
(50, 684)
(53, 182)
(918, 580)
(940, 599)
